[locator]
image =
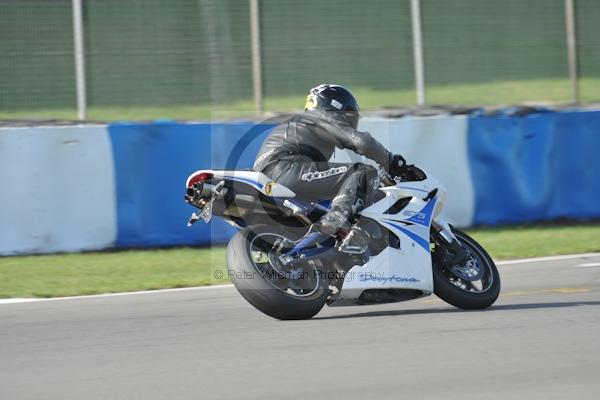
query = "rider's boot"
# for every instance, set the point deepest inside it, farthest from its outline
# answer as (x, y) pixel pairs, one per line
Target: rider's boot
(350, 200)
(353, 239)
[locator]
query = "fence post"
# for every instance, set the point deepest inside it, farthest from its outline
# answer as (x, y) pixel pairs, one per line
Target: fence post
(79, 60)
(417, 35)
(572, 48)
(256, 56)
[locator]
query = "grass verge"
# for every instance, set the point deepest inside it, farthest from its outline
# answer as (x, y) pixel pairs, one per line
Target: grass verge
(537, 241)
(105, 272)
(92, 273)
(538, 91)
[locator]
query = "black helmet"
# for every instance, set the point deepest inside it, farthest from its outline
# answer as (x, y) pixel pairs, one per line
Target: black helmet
(329, 97)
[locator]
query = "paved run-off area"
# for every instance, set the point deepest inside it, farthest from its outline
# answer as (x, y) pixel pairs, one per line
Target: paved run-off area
(540, 341)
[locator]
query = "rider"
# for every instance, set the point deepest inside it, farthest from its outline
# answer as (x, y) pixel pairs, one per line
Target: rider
(296, 154)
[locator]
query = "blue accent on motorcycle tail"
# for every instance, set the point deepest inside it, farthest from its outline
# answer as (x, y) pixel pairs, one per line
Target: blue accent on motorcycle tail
(325, 203)
(246, 180)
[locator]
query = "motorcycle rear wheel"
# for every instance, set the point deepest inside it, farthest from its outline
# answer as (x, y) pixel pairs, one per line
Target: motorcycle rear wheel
(254, 270)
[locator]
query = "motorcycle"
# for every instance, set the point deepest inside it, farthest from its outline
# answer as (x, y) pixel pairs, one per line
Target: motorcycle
(289, 274)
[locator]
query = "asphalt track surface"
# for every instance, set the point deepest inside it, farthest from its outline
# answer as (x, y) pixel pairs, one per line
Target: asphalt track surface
(541, 340)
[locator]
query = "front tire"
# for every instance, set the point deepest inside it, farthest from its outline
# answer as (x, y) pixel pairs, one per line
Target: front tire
(268, 291)
(452, 282)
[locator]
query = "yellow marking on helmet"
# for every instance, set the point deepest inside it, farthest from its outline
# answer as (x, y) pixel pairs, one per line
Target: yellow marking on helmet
(311, 102)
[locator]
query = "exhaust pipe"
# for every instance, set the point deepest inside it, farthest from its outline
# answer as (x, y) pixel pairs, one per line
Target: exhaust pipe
(199, 191)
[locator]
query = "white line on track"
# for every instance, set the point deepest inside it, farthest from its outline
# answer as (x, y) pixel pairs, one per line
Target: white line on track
(552, 258)
(588, 265)
(95, 296)
(19, 300)
(227, 286)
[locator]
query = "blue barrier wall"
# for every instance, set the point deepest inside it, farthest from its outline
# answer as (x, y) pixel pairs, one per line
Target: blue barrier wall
(152, 162)
(535, 167)
(523, 168)
(123, 185)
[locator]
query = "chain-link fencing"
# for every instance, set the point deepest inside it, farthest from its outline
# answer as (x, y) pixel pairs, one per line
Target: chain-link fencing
(187, 58)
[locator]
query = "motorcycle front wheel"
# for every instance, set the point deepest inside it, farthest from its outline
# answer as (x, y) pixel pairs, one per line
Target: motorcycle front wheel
(260, 277)
(471, 286)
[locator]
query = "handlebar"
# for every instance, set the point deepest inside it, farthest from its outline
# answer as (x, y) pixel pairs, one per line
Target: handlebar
(387, 180)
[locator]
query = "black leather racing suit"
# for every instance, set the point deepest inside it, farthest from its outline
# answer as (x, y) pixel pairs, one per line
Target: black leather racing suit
(296, 155)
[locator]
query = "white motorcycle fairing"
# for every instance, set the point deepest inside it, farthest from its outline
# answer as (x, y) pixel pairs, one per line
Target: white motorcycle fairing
(290, 274)
(408, 268)
(256, 179)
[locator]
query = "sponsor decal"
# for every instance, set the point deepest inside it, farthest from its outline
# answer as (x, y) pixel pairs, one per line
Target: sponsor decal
(386, 279)
(269, 188)
(336, 104)
(419, 217)
(313, 175)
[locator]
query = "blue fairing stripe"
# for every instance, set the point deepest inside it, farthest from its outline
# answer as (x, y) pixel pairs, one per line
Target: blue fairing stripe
(420, 241)
(412, 188)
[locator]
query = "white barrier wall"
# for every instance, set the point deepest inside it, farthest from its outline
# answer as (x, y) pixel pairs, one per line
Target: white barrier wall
(56, 189)
(437, 144)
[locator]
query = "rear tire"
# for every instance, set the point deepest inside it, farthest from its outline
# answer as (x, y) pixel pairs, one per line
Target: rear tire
(258, 290)
(446, 285)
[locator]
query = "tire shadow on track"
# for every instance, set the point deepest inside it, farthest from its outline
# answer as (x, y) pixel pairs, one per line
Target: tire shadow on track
(502, 307)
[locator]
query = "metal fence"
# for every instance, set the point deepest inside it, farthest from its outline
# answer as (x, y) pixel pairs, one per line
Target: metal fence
(111, 59)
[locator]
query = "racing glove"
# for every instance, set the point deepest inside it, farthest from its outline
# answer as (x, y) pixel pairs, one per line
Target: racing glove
(397, 165)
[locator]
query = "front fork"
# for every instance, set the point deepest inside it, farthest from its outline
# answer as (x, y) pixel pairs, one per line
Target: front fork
(444, 229)
(453, 252)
